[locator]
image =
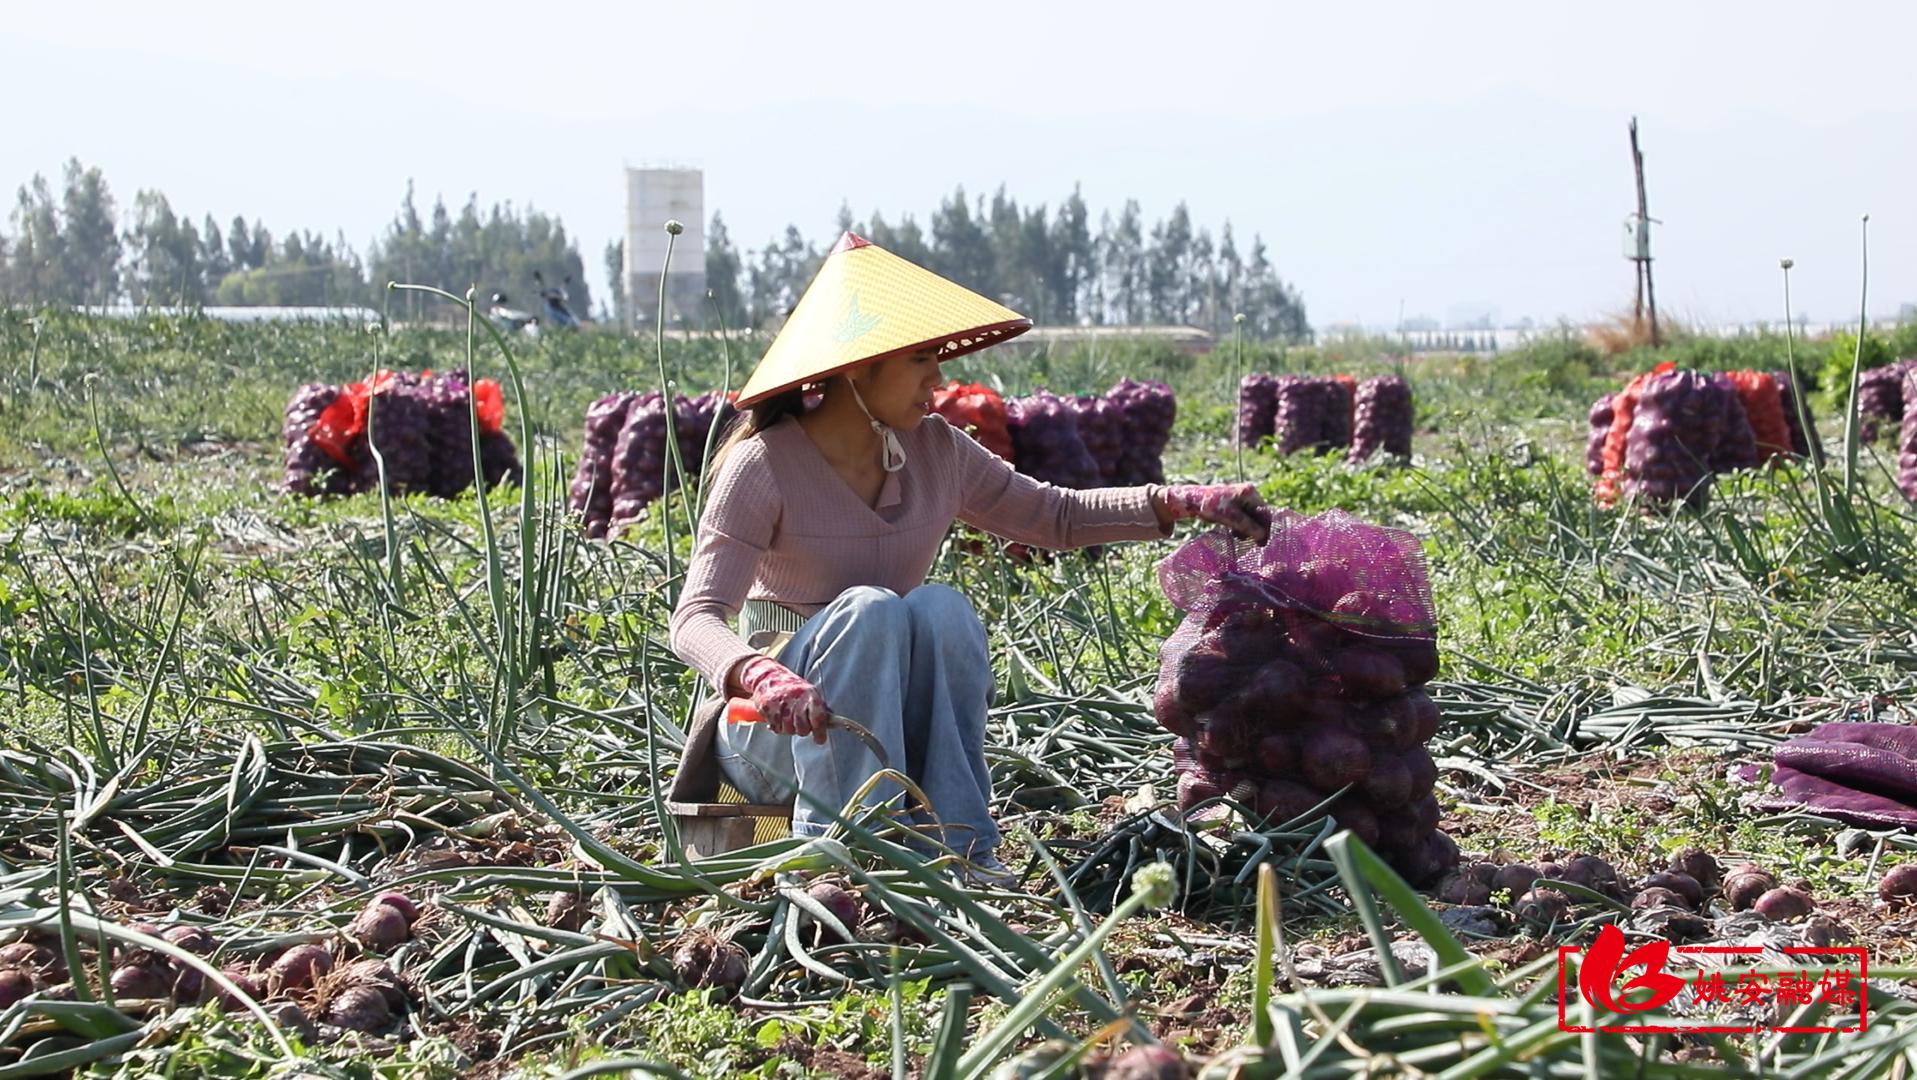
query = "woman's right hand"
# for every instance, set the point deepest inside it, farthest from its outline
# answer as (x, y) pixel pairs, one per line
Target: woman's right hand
(790, 705)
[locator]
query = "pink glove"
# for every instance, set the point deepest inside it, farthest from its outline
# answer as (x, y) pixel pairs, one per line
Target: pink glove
(790, 705)
(1235, 506)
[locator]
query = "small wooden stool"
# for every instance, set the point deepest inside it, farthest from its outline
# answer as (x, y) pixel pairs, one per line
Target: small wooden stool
(713, 816)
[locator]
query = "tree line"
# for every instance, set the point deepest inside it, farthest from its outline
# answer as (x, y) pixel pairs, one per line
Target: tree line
(1050, 263)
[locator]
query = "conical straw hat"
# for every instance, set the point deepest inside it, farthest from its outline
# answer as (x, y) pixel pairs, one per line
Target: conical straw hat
(867, 304)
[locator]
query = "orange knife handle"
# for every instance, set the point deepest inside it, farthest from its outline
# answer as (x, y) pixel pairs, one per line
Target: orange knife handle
(742, 711)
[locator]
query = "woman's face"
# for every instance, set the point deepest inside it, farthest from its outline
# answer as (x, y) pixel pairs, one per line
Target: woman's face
(898, 391)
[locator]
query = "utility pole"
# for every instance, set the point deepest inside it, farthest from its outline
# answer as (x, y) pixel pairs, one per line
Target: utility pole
(1641, 244)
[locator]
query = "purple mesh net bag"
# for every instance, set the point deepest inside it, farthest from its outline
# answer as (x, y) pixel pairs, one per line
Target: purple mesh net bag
(1257, 409)
(1046, 442)
(1863, 773)
(591, 492)
(1680, 418)
(1737, 443)
(310, 470)
(1381, 418)
(1880, 398)
(1101, 426)
(1295, 681)
(1602, 414)
(1148, 409)
(638, 458)
(1297, 414)
(1907, 439)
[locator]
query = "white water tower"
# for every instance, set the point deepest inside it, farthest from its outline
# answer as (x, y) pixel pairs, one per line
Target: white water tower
(655, 196)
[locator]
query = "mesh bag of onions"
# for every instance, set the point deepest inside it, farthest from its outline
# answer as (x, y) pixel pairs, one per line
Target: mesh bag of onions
(313, 468)
(638, 458)
(1676, 428)
(1257, 407)
(622, 458)
(1381, 418)
(1341, 399)
(1148, 408)
(1881, 399)
(420, 424)
(1295, 682)
(1907, 440)
(1601, 415)
(978, 411)
(591, 493)
(1101, 426)
(1046, 442)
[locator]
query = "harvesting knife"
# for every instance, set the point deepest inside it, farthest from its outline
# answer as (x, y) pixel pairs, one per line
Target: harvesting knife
(743, 711)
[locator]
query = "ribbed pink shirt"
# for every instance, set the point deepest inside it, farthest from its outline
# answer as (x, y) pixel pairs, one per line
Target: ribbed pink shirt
(780, 524)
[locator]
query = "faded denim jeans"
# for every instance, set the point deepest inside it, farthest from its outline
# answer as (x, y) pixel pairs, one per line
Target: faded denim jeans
(911, 668)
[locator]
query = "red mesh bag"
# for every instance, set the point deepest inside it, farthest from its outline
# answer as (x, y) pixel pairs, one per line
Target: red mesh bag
(490, 404)
(978, 411)
(1295, 681)
(340, 423)
(1764, 405)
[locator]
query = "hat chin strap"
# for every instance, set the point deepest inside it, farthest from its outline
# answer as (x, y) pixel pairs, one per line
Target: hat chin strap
(891, 451)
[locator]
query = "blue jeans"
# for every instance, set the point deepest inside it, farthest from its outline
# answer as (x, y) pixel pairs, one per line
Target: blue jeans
(911, 668)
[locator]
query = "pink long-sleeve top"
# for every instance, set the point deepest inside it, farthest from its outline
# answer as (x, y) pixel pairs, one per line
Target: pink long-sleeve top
(780, 524)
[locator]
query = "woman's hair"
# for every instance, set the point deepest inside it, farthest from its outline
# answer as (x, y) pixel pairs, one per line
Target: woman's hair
(754, 420)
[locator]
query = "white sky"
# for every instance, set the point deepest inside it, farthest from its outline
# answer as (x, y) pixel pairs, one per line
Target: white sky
(1439, 155)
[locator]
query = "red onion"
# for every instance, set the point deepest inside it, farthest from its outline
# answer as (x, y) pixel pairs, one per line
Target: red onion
(359, 1008)
(299, 966)
(1899, 886)
(1684, 885)
(843, 905)
(141, 981)
(1147, 1063)
(1784, 904)
(14, 985)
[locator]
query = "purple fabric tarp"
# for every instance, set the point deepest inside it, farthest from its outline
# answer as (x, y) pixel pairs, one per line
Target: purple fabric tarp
(1861, 773)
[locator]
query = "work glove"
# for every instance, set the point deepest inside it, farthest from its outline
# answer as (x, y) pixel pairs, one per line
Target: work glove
(789, 704)
(1235, 506)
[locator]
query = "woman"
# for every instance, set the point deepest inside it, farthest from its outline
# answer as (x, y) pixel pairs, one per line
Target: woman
(820, 525)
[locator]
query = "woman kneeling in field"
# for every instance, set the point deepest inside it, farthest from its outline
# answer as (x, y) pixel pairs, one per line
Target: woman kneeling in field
(820, 525)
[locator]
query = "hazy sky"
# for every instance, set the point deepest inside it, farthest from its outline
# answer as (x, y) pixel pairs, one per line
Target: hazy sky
(1441, 156)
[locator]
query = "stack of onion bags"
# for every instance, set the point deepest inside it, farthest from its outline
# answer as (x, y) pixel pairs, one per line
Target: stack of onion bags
(1663, 436)
(420, 424)
(1381, 418)
(977, 410)
(1295, 682)
(1149, 408)
(622, 458)
(1046, 441)
(1257, 408)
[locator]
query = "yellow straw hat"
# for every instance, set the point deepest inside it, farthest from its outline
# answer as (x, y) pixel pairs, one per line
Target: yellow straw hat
(866, 305)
